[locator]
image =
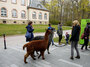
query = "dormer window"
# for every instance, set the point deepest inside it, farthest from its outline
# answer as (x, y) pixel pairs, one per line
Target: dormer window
(39, 6)
(3, 0)
(14, 1)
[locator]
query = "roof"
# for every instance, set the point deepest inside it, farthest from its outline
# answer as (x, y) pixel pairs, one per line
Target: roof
(37, 5)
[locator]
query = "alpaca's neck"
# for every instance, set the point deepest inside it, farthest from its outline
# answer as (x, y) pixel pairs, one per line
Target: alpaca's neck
(46, 37)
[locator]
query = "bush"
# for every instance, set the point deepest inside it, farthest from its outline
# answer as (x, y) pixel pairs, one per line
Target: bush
(68, 23)
(54, 22)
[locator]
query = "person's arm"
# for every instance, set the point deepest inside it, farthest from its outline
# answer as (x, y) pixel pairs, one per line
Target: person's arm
(29, 29)
(58, 27)
(48, 28)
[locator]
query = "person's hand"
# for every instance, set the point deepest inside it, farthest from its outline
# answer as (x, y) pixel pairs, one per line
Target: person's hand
(32, 28)
(85, 37)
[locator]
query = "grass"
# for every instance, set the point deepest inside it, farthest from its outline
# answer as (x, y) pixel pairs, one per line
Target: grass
(17, 29)
(63, 41)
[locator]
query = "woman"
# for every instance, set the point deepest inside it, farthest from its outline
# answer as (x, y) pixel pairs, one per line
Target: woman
(86, 37)
(29, 34)
(60, 32)
(74, 39)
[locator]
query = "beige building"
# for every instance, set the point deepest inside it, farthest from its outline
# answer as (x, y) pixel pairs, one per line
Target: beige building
(22, 11)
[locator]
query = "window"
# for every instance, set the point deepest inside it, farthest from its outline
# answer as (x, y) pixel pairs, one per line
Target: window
(45, 16)
(3, 0)
(4, 21)
(14, 1)
(22, 2)
(23, 14)
(40, 22)
(39, 6)
(14, 13)
(45, 22)
(40, 15)
(14, 22)
(34, 15)
(3, 12)
(34, 22)
(23, 22)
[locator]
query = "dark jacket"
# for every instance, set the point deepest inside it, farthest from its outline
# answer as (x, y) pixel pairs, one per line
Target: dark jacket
(75, 33)
(60, 30)
(30, 31)
(86, 32)
(67, 37)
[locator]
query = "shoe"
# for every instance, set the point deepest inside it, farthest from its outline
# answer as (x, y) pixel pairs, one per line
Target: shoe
(81, 48)
(53, 44)
(78, 57)
(71, 58)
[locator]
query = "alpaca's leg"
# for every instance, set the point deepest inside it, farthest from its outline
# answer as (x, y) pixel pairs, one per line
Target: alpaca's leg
(42, 53)
(37, 52)
(32, 55)
(48, 48)
(25, 57)
(39, 55)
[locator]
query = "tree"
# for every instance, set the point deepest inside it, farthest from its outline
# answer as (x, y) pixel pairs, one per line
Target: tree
(84, 7)
(68, 10)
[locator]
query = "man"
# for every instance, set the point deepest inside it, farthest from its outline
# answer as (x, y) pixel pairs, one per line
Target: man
(60, 32)
(50, 28)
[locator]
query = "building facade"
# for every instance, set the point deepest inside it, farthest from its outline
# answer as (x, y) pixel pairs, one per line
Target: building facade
(22, 11)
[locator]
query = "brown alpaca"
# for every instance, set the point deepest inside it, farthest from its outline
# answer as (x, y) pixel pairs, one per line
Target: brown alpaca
(37, 45)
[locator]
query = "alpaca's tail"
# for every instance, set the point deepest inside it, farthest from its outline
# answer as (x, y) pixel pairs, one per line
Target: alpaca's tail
(25, 46)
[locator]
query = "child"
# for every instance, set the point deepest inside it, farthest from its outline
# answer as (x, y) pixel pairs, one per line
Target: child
(67, 37)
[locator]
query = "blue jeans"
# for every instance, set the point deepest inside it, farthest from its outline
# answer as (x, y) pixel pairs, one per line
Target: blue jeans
(67, 41)
(52, 42)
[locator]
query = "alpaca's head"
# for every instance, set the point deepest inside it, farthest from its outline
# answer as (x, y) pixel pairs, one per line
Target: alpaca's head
(48, 31)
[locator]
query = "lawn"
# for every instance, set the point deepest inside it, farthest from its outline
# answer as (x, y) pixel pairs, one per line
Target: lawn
(17, 29)
(63, 41)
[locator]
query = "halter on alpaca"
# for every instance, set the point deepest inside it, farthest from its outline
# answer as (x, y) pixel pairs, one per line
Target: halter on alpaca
(37, 45)
(50, 38)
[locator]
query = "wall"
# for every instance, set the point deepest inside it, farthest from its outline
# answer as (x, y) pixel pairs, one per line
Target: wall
(37, 20)
(10, 6)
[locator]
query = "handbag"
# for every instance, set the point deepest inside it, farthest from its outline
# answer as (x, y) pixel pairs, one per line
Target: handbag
(82, 36)
(28, 35)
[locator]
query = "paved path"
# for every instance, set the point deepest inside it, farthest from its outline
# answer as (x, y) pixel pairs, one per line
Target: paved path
(20, 39)
(59, 57)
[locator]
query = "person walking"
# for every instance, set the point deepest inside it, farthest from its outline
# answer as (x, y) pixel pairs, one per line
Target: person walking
(50, 28)
(29, 34)
(60, 32)
(86, 37)
(74, 39)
